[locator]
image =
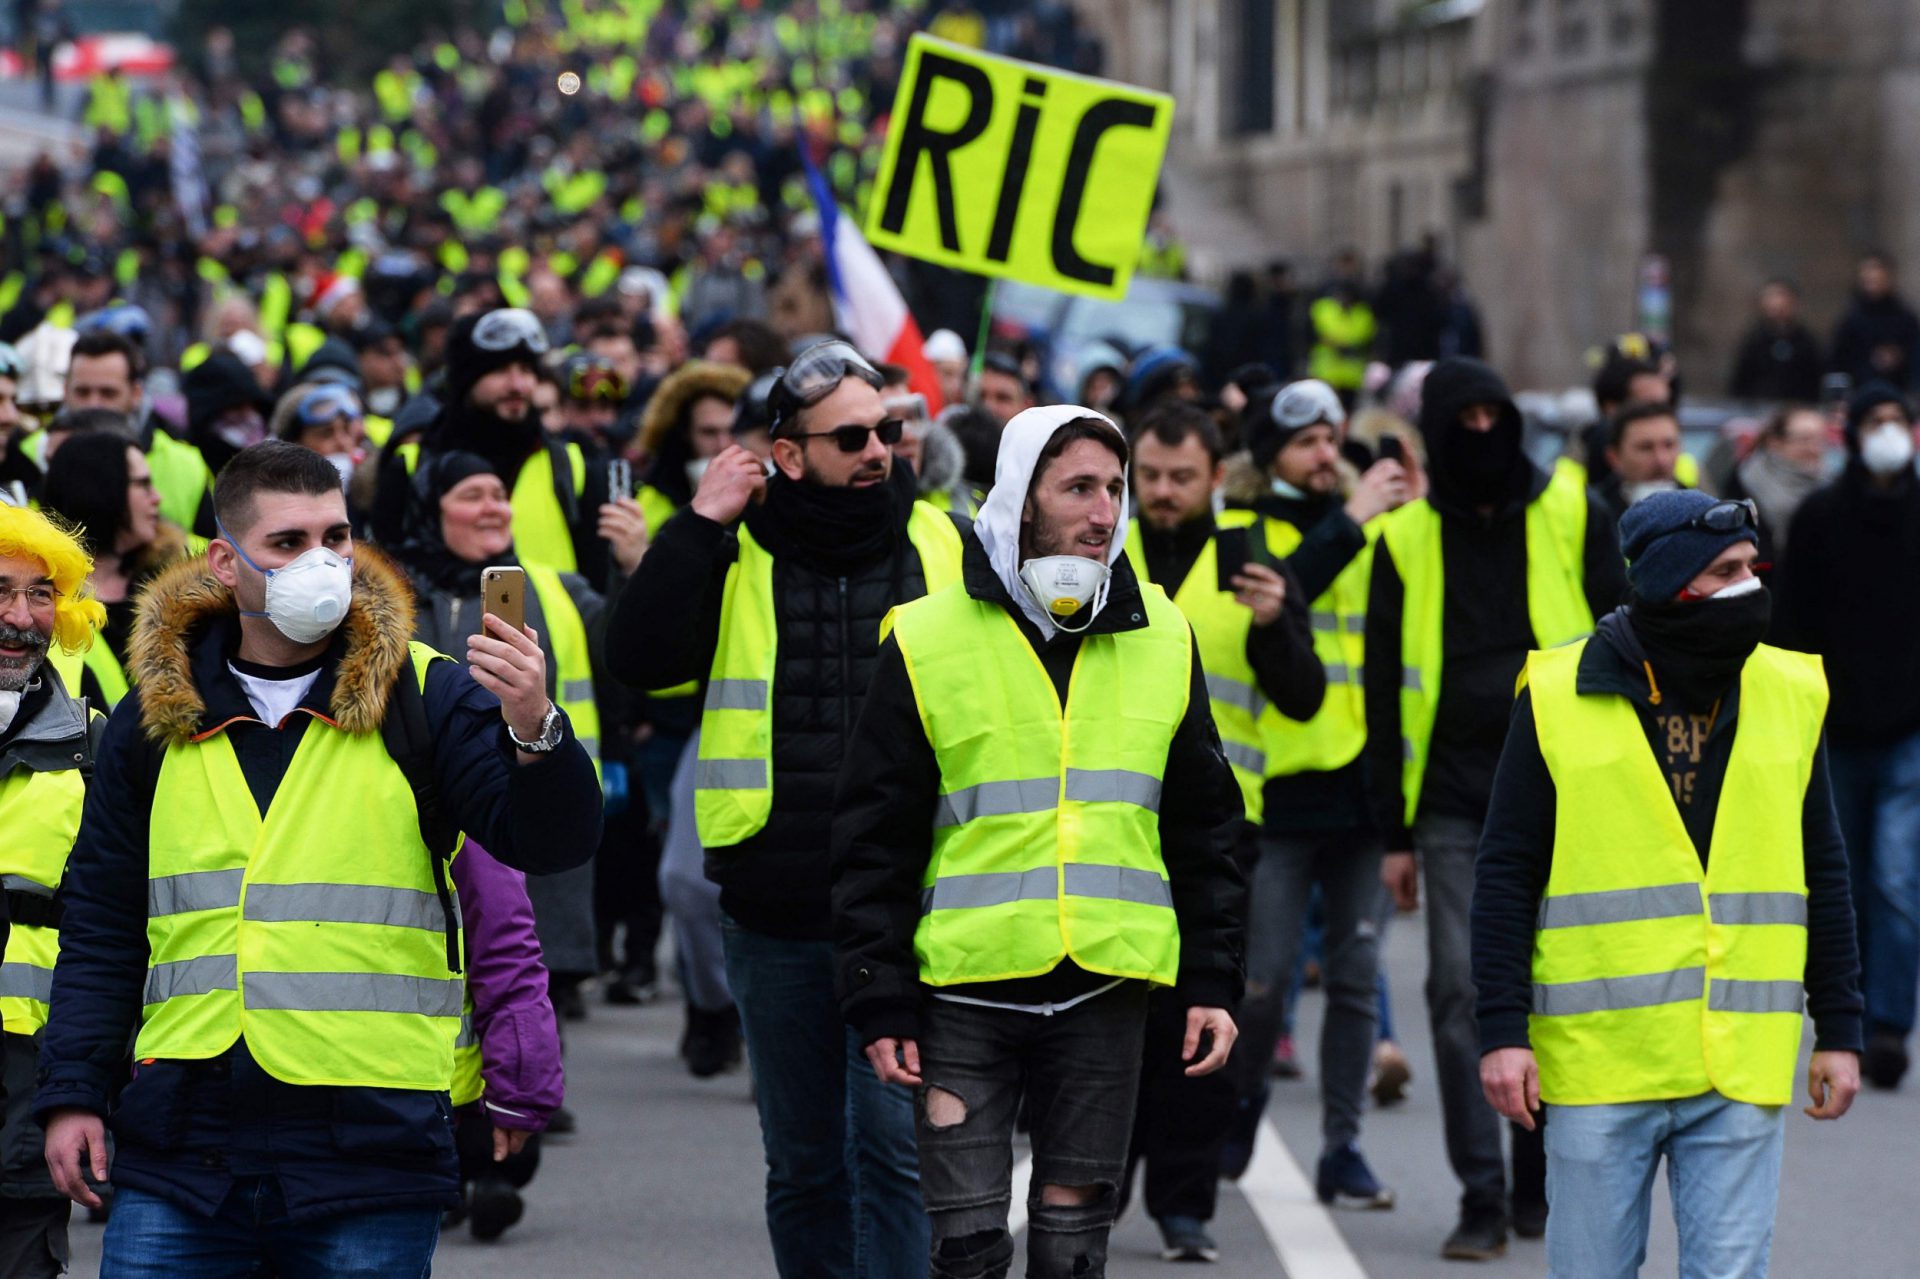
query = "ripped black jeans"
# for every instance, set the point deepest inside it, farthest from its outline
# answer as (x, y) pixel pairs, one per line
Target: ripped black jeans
(1080, 1073)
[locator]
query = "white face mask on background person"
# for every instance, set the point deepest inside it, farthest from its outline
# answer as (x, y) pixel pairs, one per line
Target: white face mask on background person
(1064, 585)
(697, 470)
(308, 598)
(343, 463)
(1646, 488)
(1745, 586)
(1887, 448)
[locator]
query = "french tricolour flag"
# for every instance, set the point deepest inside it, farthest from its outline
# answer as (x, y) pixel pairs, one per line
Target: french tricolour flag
(865, 299)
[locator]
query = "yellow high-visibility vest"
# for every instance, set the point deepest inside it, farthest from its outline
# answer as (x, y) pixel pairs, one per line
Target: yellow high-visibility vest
(1220, 625)
(1652, 979)
(1046, 837)
(733, 777)
(1335, 735)
(314, 933)
(1556, 605)
(40, 812)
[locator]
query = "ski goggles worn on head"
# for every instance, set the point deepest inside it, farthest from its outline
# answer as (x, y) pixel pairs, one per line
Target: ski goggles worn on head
(814, 375)
(11, 365)
(326, 405)
(508, 328)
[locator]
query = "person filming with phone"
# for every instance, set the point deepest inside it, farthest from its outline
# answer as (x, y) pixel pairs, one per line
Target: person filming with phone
(1250, 620)
(772, 588)
(254, 894)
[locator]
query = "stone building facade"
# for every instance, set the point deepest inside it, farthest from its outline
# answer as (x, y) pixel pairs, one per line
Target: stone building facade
(1550, 146)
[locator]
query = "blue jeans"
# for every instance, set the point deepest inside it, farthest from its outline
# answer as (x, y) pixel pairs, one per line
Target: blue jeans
(1723, 1169)
(1877, 794)
(150, 1238)
(843, 1176)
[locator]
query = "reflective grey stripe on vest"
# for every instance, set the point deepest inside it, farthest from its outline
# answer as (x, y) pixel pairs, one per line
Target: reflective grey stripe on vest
(591, 745)
(1323, 621)
(730, 774)
(997, 799)
(1619, 906)
(21, 884)
(1756, 996)
(1341, 673)
(197, 976)
(576, 690)
(466, 1038)
(1758, 908)
(1236, 693)
(1247, 757)
(1113, 786)
(355, 993)
(344, 904)
(1410, 679)
(736, 695)
(970, 892)
(1118, 883)
(194, 890)
(1611, 994)
(26, 981)
(1406, 749)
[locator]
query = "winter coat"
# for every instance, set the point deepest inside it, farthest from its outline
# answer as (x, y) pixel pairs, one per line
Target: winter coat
(883, 835)
(1846, 593)
(519, 1040)
(183, 1128)
(1486, 631)
(664, 630)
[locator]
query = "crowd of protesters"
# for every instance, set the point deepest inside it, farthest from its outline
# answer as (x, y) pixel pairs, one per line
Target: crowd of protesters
(291, 365)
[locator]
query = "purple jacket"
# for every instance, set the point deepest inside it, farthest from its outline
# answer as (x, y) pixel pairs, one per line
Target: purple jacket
(519, 1042)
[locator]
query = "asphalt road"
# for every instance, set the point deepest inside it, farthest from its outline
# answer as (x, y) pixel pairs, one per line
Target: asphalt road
(664, 1179)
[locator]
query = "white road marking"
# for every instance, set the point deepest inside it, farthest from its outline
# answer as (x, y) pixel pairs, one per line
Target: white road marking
(1017, 1210)
(1300, 1229)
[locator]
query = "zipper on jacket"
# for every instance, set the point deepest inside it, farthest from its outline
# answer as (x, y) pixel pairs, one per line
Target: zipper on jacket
(846, 671)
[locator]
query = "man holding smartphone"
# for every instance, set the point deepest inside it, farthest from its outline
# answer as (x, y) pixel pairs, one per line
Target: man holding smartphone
(1249, 619)
(771, 589)
(252, 892)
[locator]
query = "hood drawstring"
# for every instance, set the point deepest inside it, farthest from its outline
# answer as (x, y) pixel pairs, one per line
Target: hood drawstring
(1653, 696)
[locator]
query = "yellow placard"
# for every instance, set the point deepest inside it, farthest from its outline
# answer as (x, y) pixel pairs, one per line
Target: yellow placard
(1005, 168)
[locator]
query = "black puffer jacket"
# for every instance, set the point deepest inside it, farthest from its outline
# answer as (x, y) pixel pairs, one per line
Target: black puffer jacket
(663, 632)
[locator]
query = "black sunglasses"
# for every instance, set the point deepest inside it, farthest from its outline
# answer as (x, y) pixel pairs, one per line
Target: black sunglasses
(852, 439)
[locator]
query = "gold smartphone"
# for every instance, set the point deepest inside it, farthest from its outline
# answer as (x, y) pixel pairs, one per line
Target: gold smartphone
(503, 593)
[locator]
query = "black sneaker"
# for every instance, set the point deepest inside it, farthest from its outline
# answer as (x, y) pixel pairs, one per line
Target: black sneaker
(712, 1041)
(1530, 1220)
(492, 1207)
(1480, 1236)
(1343, 1180)
(1187, 1240)
(1885, 1061)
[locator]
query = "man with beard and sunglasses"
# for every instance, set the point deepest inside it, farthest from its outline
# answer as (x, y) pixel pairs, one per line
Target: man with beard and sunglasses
(771, 588)
(1662, 890)
(558, 486)
(1497, 560)
(46, 754)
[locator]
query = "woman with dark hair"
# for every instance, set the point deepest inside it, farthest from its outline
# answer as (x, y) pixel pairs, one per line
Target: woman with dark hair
(101, 483)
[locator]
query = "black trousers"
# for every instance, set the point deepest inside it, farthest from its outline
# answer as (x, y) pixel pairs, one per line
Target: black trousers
(1180, 1123)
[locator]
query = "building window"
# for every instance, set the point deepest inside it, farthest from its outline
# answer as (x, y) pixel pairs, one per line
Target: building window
(1250, 87)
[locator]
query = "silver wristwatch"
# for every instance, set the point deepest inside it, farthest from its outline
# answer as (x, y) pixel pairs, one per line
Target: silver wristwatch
(549, 734)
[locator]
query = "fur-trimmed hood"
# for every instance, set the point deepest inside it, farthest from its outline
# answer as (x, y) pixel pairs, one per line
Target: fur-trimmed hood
(184, 598)
(677, 392)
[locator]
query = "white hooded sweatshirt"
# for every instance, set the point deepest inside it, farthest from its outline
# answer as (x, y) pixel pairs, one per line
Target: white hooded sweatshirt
(998, 524)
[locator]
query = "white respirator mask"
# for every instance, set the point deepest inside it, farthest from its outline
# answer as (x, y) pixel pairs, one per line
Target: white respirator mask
(1887, 448)
(307, 599)
(1065, 585)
